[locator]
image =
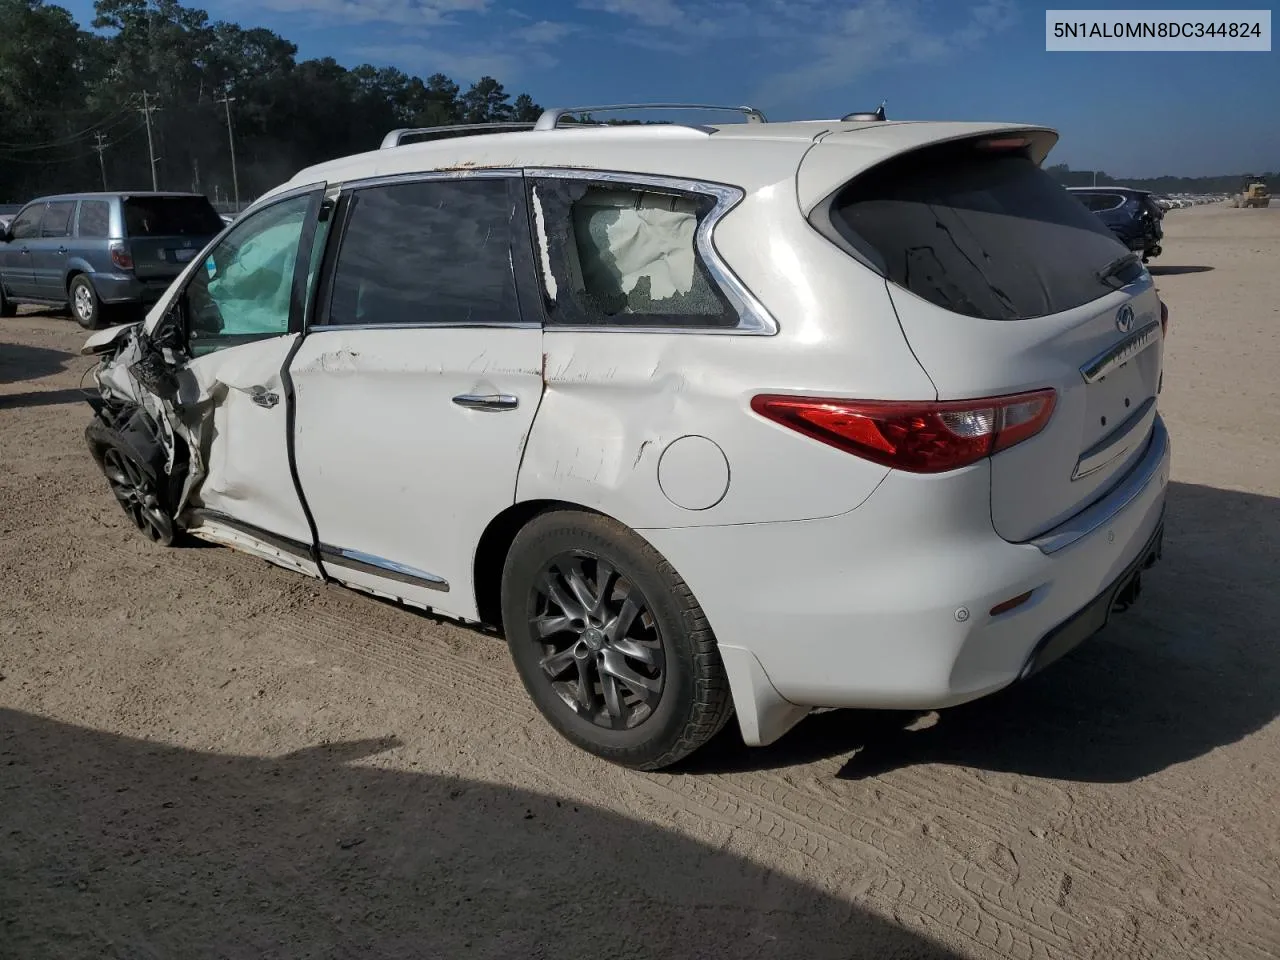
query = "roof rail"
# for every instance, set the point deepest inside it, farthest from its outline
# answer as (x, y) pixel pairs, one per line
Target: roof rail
(550, 118)
(395, 137)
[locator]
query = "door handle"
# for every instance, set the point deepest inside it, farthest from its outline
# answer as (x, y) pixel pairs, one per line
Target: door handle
(264, 397)
(62, 250)
(492, 401)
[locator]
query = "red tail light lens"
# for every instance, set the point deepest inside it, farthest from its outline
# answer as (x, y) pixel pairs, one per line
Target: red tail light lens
(120, 256)
(919, 437)
(1164, 318)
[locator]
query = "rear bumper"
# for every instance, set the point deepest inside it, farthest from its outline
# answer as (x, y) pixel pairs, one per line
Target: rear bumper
(115, 288)
(889, 605)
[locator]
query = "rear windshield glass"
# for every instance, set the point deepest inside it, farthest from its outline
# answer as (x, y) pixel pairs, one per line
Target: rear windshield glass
(979, 233)
(170, 217)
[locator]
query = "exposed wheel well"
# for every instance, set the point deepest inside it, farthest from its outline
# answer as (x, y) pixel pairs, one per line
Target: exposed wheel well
(495, 543)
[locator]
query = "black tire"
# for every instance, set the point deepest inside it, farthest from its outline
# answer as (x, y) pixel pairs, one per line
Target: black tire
(136, 485)
(7, 307)
(83, 301)
(665, 643)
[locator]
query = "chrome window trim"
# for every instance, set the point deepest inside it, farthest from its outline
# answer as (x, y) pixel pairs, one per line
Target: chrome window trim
(465, 173)
(753, 318)
(495, 325)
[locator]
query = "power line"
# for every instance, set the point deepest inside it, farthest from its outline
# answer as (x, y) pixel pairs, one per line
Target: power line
(112, 119)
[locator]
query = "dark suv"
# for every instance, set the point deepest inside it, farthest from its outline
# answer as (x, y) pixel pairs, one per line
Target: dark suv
(92, 251)
(1133, 216)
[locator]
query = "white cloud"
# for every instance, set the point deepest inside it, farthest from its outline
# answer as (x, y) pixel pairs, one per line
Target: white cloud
(545, 32)
(829, 44)
(408, 13)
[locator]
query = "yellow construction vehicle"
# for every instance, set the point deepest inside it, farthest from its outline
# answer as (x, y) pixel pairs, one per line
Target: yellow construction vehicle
(1252, 194)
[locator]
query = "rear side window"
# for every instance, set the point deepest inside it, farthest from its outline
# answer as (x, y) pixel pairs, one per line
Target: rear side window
(625, 256)
(429, 252)
(1098, 202)
(95, 218)
(170, 217)
(57, 219)
(978, 233)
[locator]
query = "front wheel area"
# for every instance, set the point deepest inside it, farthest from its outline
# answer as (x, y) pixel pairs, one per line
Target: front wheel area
(610, 643)
(131, 458)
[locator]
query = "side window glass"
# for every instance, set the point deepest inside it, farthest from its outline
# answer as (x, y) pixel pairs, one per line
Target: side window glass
(94, 219)
(26, 225)
(242, 288)
(57, 219)
(428, 252)
(625, 256)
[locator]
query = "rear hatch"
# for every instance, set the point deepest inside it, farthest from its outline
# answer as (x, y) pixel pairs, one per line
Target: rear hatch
(1003, 283)
(164, 233)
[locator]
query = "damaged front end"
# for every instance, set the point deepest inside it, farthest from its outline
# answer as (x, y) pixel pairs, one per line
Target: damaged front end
(138, 436)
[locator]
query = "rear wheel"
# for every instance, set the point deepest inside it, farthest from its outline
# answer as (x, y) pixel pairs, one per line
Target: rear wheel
(84, 303)
(609, 641)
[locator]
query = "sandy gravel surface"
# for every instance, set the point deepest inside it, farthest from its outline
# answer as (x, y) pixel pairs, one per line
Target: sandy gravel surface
(204, 756)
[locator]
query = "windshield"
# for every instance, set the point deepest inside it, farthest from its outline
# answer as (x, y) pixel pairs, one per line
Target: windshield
(979, 233)
(170, 217)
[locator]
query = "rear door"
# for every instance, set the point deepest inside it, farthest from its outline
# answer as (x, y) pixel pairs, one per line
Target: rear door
(998, 278)
(16, 271)
(49, 252)
(417, 388)
(165, 232)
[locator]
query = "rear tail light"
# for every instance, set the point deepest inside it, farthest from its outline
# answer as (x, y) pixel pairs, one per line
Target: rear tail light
(919, 437)
(1164, 318)
(121, 256)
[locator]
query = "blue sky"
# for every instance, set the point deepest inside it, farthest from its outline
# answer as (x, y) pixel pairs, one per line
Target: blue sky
(1130, 114)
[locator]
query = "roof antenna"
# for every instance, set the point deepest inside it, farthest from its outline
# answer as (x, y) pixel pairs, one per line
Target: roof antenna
(866, 117)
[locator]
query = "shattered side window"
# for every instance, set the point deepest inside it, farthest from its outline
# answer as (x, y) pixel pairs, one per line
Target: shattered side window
(617, 255)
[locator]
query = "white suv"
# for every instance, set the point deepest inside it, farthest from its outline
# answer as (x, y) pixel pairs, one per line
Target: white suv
(750, 418)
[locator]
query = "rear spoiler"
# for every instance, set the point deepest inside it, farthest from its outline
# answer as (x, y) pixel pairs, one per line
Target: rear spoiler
(837, 157)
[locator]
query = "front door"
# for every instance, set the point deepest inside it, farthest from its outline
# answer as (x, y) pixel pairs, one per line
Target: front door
(16, 272)
(242, 309)
(417, 387)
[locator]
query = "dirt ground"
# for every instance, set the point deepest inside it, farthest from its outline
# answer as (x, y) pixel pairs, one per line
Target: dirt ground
(204, 756)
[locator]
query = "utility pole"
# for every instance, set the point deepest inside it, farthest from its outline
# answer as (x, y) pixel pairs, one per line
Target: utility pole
(151, 150)
(227, 101)
(103, 143)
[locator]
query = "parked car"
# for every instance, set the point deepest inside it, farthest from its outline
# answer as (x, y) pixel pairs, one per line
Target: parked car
(98, 251)
(743, 418)
(1133, 215)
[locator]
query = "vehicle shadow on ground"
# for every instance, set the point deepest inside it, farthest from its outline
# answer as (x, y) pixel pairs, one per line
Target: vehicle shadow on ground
(1195, 665)
(115, 847)
(19, 362)
(42, 398)
(1174, 271)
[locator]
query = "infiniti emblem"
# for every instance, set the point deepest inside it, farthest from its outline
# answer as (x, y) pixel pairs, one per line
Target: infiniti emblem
(1124, 319)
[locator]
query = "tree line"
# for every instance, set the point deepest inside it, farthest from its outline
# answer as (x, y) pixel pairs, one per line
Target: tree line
(1161, 186)
(74, 103)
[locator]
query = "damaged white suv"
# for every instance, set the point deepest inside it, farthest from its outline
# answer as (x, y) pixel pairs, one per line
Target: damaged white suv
(750, 418)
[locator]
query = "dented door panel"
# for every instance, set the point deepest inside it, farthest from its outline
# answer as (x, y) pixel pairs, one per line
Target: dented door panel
(399, 477)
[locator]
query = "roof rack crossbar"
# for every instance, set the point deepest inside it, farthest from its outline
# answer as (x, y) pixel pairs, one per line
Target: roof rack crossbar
(551, 118)
(396, 137)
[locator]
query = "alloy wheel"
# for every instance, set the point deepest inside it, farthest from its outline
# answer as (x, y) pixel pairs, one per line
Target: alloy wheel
(137, 495)
(602, 651)
(82, 303)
